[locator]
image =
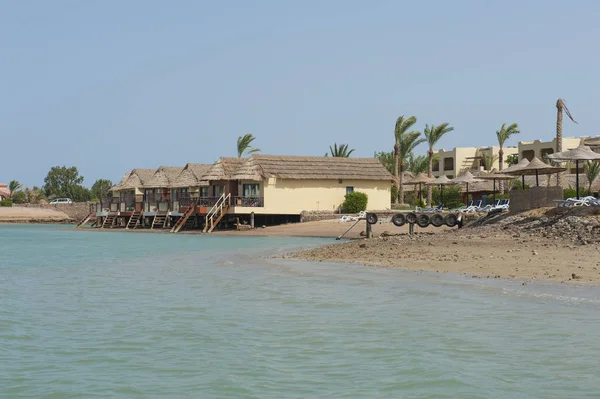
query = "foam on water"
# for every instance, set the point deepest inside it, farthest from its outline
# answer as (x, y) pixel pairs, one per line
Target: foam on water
(120, 315)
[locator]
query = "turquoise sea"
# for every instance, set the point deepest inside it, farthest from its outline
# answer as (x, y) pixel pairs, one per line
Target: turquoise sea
(125, 315)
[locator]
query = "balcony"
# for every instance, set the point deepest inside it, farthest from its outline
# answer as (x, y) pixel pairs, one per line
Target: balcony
(250, 202)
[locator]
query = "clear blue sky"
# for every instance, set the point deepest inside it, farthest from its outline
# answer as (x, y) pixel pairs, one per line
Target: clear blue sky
(112, 85)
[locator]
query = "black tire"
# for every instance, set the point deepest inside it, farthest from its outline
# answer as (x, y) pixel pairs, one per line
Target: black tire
(423, 220)
(399, 220)
(371, 218)
(437, 220)
(451, 220)
(411, 217)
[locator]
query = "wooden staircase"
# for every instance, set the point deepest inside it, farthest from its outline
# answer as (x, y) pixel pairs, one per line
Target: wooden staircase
(134, 220)
(85, 219)
(216, 213)
(160, 220)
(182, 222)
(109, 221)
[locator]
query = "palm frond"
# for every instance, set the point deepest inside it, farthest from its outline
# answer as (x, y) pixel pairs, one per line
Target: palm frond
(434, 133)
(243, 144)
(402, 126)
(505, 132)
(562, 104)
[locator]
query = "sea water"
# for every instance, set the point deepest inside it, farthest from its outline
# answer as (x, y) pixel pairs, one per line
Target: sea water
(135, 315)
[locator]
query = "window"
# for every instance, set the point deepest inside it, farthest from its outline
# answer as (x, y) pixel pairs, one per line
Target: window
(204, 192)
(448, 163)
(349, 190)
(218, 190)
(436, 166)
(529, 154)
(251, 190)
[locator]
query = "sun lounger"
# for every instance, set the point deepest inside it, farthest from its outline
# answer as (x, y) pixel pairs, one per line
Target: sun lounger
(433, 209)
(461, 208)
(473, 208)
(489, 207)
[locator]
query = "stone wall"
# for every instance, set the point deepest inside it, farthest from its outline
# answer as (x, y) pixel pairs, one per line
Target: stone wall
(535, 197)
(311, 216)
(76, 210)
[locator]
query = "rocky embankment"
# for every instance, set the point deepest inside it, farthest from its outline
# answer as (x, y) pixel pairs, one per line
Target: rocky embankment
(580, 225)
(33, 215)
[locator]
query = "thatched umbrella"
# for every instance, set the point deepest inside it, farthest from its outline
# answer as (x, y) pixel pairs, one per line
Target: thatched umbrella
(495, 176)
(441, 181)
(537, 167)
(521, 164)
(581, 153)
(420, 178)
(466, 178)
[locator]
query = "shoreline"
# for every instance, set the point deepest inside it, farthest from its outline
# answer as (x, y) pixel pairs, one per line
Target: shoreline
(533, 246)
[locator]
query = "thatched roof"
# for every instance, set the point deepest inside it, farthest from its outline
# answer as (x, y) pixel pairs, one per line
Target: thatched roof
(191, 176)
(163, 177)
(136, 179)
(420, 178)
(223, 169)
(117, 186)
(536, 166)
(259, 167)
(581, 153)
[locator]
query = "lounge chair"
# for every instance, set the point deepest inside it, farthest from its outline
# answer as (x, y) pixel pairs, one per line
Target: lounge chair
(461, 208)
(473, 208)
(489, 207)
(432, 209)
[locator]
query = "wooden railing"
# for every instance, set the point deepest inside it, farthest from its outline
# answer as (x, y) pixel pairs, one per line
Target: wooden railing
(256, 202)
(217, 212)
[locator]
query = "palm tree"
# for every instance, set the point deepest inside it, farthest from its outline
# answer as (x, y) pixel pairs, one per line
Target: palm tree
(13, 186)
(408, 142)
(488, 161)
(402, 126)
(343, 151)
(386, 159)
(416, 164)
(503, 134)
(243, 145)
(591, 170)
(560, 105)
(433, 134)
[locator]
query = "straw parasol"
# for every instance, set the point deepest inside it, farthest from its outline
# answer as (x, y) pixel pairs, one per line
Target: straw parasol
(466, 178)
(441, 181)
(495, 176)
(420, 178)
(581, 153)
(521, 164)
(536, 167)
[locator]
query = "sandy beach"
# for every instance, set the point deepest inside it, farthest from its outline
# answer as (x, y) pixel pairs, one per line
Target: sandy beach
(534, 246)
(32, 215)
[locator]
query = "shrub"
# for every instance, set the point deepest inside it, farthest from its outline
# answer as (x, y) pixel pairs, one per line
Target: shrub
(355, 202)
(6, 202)
(572, 193)
(394, 193)
(452, 197)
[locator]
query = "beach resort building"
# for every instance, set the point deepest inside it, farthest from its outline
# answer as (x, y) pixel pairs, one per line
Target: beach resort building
(267, 188)
(539, 148)
(453, 162)
(4, 192)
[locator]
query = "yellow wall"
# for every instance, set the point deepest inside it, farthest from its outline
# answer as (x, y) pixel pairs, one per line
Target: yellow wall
(464, 159)
(291, 197)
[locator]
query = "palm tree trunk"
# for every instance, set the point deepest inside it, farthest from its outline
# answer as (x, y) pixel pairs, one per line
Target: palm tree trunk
(500, 167)
(400, 181)
(430, 174)
(559, 117)
(397, 182)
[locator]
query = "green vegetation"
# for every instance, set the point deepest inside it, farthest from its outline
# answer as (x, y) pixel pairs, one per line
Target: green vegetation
(7, 203)
(387, 160)
(101, 188)
(343, 151)
(591, 170)
(433, 134)
(243, 145)
(452, 197)
(572, 193)
(512, 159)
(355, 202)
(503, 134)
(63, 182)
(416, 164)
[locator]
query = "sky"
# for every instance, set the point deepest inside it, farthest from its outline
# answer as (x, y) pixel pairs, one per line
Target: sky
(108, 86)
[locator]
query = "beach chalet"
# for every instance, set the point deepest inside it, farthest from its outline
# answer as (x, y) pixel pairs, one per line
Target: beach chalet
(289, 185)
(189, 186)
(268, 189)
(157, 196)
